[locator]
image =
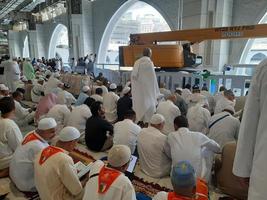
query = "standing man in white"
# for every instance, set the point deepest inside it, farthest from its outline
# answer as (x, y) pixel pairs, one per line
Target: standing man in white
(145, 89)
(251, 158)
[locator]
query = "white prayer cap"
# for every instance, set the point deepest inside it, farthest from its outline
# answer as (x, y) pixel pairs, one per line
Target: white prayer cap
(119, 155)
(68, 134)
(3, 87)
(113, 86)
(86, 88)
(230, 108)
(56, 75)
(47, 123)
(157, 119)
(179, 89)
(48, 72)
(126, 90)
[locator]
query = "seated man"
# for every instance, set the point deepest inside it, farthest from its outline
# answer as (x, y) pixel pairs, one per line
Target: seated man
(124, 103)
(151, 149)
(169, 111)
(83, 95)
(185, 184)
(227, 99)
(65, 97)
(61, 114)
(223, 127)
(37, 91)
(4, 91)
(98, 96)
(54, 171)
(21, 165)
(23, 116)
(109, 182)
(80, 114)
(110, 104)
(184, 144)
(10, 135)
(98, 131)
(180, 102)
(196, 97)
(198, 118)
(226, 180)
(126, 131)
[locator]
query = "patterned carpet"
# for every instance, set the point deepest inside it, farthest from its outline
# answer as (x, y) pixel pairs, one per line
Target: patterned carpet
(141, 182)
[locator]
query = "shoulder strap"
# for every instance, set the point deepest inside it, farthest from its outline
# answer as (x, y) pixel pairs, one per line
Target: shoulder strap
(212, 124)
(48, 152)
(30, 137)
(106, 178)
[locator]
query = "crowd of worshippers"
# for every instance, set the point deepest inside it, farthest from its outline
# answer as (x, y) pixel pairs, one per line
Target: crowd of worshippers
(190, 128)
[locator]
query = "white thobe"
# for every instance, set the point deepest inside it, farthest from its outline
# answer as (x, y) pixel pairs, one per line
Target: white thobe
(185, 93)
(211, 100)
(23, 116)
(151, 145)
(79, 116)
(125, 133)
(61, 114)
(198, 119)
(10, 139)
(21, 169)
(97, 97)
(195, 98)
(36, 92)
(169, 111)
(12, 73)
(224, 130)
(110, 105)
(250, 159)
(145, 90)
(51, 84)
(121, 188)
(188, 145)
(56, 178)
(222, 103)
(64, 97)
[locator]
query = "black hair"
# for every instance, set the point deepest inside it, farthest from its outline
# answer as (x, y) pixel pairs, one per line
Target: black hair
(95, 107)
(181, 121)
(99, 91)
(7, 104)
(89, 101)
(188, 86)
(21, 90)
(129, 114)
(16, 94)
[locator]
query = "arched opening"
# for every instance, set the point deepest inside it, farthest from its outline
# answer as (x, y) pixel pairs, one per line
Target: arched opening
(26, 51)
(132, 17)
(254, 47)
(59, 44)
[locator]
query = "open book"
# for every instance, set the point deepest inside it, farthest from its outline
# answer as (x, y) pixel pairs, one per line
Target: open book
(82, 169)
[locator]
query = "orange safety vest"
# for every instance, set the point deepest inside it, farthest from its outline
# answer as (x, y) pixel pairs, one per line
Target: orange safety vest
(30, 137)
(202, 193)
(105, 179)
(48, 152)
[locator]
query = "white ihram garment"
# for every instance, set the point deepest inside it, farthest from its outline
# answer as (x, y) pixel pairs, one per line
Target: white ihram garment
(145, 90)
(250, 158)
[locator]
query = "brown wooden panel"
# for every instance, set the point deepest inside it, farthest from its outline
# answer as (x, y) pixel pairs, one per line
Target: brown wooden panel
(162, 55)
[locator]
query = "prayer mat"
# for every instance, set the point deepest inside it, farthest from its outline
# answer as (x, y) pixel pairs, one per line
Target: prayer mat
(140, 185)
